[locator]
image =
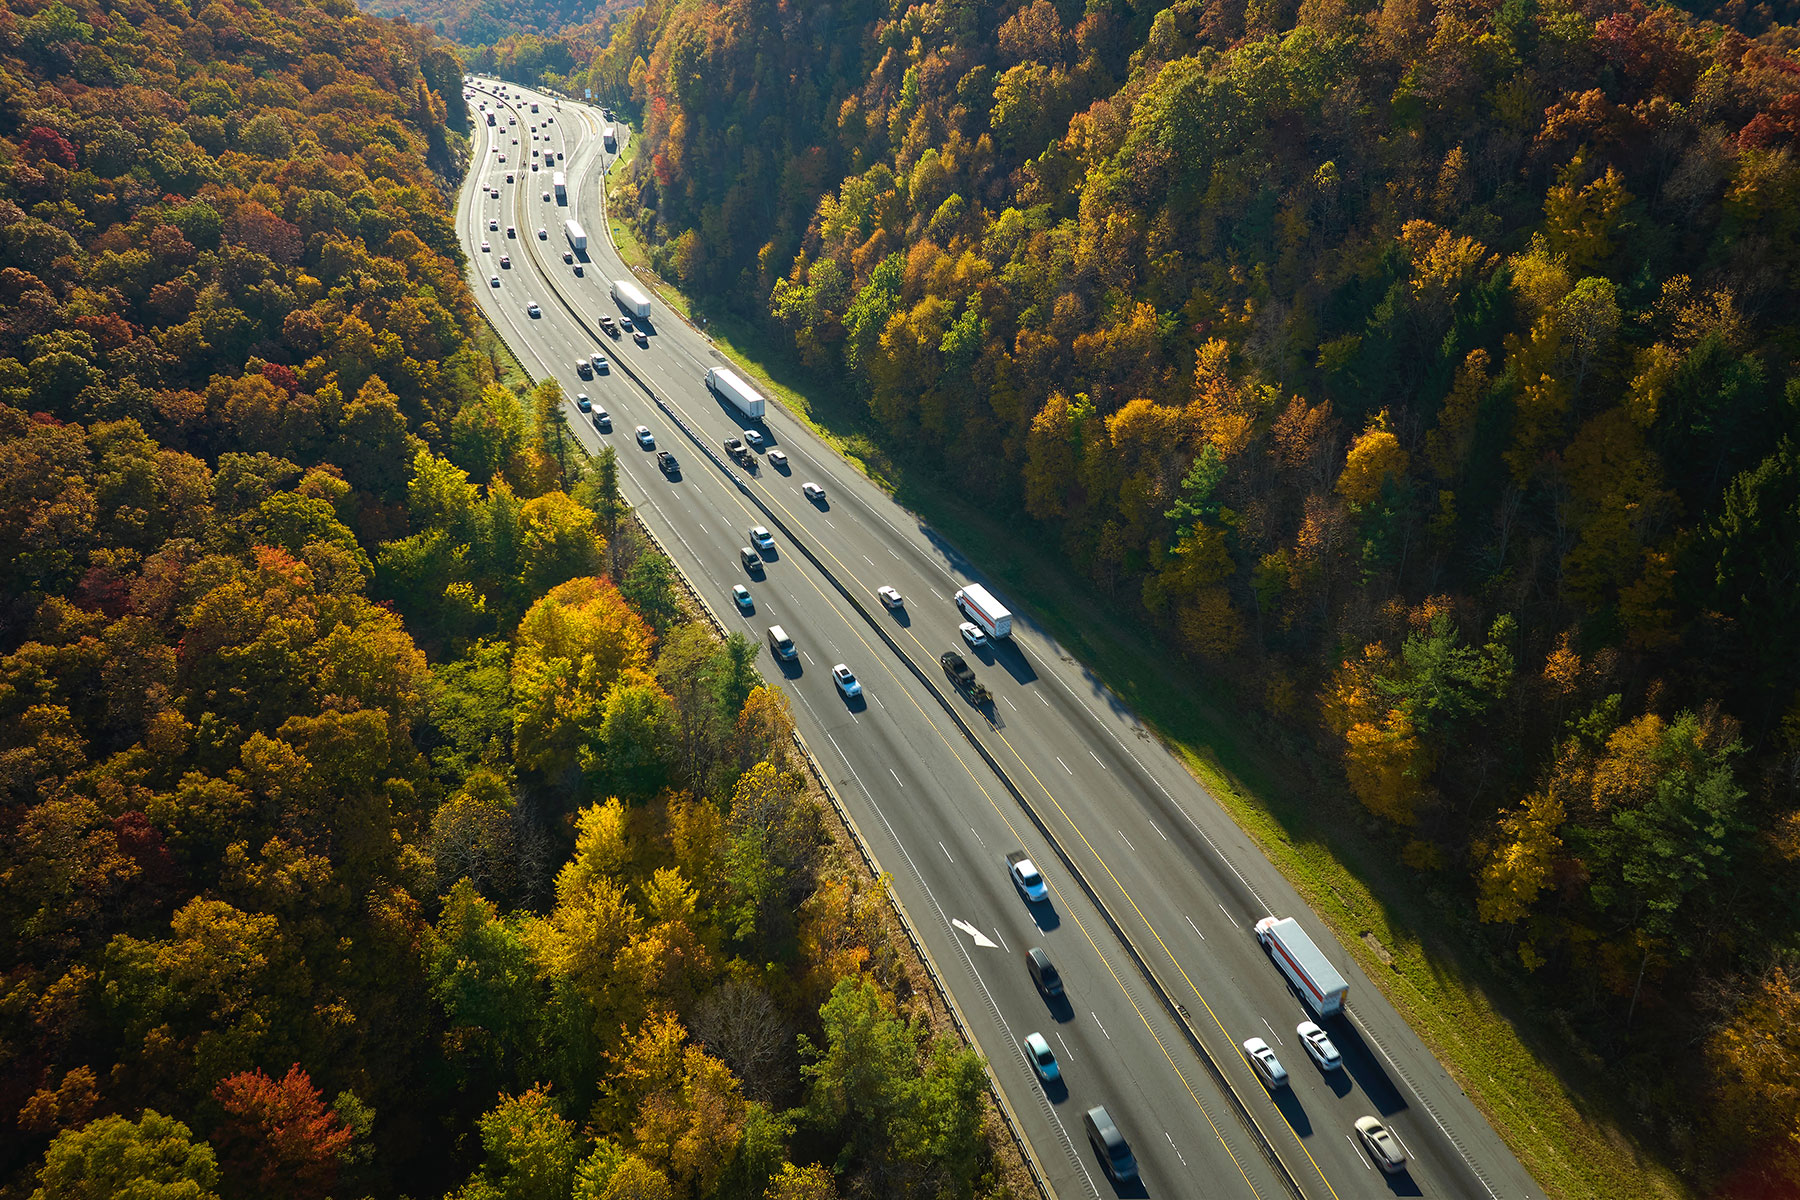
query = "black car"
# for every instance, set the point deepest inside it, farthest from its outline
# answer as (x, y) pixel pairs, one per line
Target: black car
(666, 462)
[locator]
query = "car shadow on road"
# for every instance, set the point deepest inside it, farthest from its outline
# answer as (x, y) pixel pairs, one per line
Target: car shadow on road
(1294, 1111)
(1044, 915)
(902, 618)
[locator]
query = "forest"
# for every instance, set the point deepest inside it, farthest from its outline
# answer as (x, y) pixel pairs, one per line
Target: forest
(1422, 371)
(381, 818)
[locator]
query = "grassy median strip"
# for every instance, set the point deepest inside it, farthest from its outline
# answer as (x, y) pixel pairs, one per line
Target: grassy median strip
(1278, 789)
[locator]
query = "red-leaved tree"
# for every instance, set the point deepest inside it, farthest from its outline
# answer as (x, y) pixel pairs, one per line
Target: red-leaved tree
(278, 1139)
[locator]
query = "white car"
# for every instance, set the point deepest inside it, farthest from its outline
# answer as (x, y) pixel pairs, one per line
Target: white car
(1025, 873)
(531, 309)
(778, 459)
(753, 439)
(761, 538)
(889, 596)
(1382, 1145)
(1319, 1046)
(645, 438)
(1043, 1060)
(1268, 1068)
(640, 337)
(846, 682)
(598, 361)
(972, 634)
(813, 492)
(485, 248)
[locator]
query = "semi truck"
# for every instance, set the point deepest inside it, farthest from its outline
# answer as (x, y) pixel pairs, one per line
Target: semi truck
(559, 183)
(979, 605)
(611, 139)
(577, 236)
(734, 391)
(1303, 963)
(631, 298)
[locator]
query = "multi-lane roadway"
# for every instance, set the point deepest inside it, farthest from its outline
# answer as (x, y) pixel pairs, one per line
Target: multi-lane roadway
(1153, 892)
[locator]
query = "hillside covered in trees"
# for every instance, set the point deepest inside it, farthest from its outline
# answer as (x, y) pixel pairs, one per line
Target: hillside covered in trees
(377, 821)
(1425, 371)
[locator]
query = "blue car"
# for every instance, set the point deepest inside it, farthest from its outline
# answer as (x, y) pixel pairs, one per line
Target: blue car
(1043, 1061)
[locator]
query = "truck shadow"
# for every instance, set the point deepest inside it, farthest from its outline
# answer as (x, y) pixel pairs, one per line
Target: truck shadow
(1363, 1064)
(1013, 661)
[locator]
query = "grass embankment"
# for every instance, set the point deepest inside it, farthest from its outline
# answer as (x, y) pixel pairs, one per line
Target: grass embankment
(507, 368)
(1289, 800)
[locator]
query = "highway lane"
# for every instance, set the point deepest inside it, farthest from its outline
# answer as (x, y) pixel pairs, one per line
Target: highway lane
(1077, 754)
(943, 806)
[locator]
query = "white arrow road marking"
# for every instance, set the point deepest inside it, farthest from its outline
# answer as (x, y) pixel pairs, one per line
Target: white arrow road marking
(981, 939)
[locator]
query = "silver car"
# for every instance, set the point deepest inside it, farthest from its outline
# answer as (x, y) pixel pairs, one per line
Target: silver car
(1381, 1144)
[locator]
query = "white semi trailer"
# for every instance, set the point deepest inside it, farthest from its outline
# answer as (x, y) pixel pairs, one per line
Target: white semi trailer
(734, 391)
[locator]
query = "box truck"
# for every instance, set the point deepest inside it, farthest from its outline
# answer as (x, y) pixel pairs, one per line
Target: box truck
(735, 392)
(1302, 962)
(559, 183)
(979, 605)
(577, 236)
(631, 298)
(611, 140)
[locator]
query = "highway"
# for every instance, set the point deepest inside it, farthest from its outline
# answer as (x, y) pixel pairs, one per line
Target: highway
(941, 791)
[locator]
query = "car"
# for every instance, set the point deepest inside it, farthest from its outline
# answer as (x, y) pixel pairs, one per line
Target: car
(667, 464)
(1381, 1144)
(1044, 973)
(503, 158)
(740, 595)
(577, 269)
(509, 177)
(546, 197)
(625, 321)
(972, 634)
(598, 360)
(486, 248)
(493, 225)
(890, 597)
(645, 438)
(761, 538)
(493, 193)
(752, 564)
(846, 681)
(1263, 1061)
(1028, 878)
(506, 262)
(753, 439)
(543, 234)
(511, 232)
(1109, 1144)
(568, 256)
(493, 281)
(584, 368)
(813, 492)
(602, 420)
(1318, 1046)
(778, 460)
(733, 447)
(583, 403)
(532, 309)
(534, 166)
(1043, 1061)
(640, 337)
(611, 326)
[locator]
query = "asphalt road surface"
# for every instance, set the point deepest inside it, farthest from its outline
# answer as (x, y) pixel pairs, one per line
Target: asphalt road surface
(1153, 890)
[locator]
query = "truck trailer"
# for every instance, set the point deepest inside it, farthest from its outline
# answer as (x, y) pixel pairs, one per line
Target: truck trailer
(559, 183)
(734, 391)
(631, 298)
(1303, 963)
(577, 236)
(979, 605)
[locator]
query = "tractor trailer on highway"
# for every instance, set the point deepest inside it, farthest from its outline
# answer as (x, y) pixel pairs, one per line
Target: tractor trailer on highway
(734, 391)
(559, 182)
(577, 235)
(1303, 963)
(979, 605)
(631, 298)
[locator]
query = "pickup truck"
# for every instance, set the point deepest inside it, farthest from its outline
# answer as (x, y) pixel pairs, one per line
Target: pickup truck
(738, 451)
(666, 462)
(611, 326)
(964, 679)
